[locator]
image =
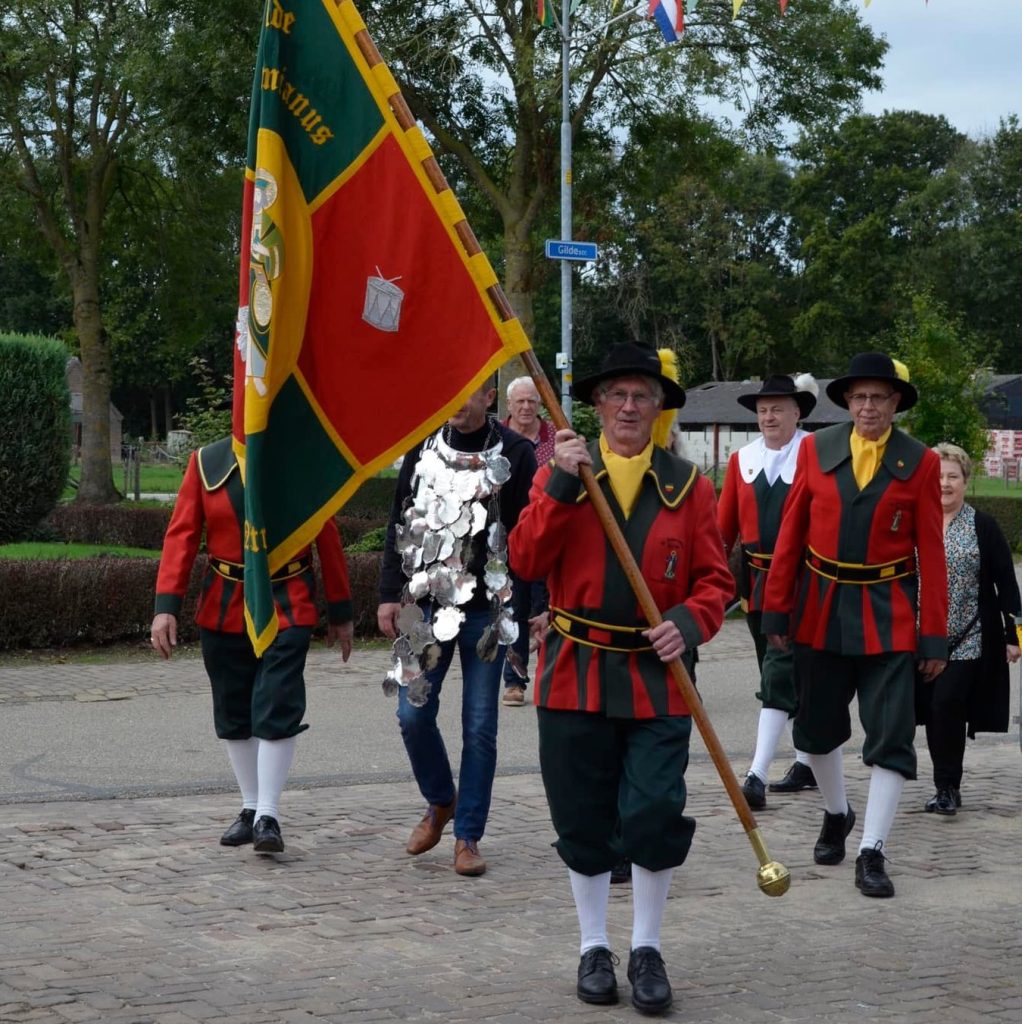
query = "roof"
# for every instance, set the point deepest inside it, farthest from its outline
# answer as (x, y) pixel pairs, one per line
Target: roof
(717, 402)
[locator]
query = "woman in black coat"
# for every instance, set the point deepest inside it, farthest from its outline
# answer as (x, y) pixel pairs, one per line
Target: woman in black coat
(971, 694)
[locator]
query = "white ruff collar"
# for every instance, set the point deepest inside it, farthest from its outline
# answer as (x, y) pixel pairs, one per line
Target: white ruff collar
(755, 458)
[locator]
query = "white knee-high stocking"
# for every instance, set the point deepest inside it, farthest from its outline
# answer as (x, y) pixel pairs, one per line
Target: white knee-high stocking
(275, 758)
(772, 722)
(830, 777)
(885, 788)
(243, 755)
(649, 898)
(592, 893)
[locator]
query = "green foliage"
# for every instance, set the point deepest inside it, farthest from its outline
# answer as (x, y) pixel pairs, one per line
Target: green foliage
(371, 540)
(869, 200)
(35, 431)
(209, 414)
(1007, 512)
(943, 358)
(584, 420)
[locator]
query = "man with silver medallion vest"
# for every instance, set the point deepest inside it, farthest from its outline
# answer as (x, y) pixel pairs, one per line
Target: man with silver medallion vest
(445, 586)
(613, 726)
(751, 502)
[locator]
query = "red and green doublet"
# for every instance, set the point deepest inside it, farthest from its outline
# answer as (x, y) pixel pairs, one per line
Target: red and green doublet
(672, 533)
(892, 529)
(750, 509)
(212, 498)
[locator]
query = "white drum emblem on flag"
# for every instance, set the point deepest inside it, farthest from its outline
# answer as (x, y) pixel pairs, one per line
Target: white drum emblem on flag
(382, 307)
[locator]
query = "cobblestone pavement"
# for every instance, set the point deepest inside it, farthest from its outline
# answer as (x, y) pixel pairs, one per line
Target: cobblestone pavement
(128, 911)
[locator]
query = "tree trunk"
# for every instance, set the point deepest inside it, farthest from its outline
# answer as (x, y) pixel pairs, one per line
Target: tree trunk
(97, 481)
(153, 426)
(168, 413)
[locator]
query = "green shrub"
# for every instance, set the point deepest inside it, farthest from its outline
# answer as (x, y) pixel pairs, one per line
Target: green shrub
(35, 431)
(1007, 512)
(371, 540)
(69, 602)
(123, 525)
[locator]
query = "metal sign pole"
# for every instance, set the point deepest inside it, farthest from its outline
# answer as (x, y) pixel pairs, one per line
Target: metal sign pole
(564, 362)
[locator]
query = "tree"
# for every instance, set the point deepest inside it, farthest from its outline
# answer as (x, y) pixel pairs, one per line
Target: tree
(88, 95)
(868, 206)
(701, 249)
(484, 79)
(944, 360)
(987, 264)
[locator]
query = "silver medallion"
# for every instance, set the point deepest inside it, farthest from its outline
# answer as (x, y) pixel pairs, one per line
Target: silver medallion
(447, 622)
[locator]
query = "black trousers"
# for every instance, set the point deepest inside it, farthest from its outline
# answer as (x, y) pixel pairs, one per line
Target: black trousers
(263, 697)
(616, 788)
(942, 706)
(885, 687)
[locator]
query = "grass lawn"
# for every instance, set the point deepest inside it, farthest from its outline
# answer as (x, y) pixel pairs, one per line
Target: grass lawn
(159, 478)
(31, 550)
(987, 487)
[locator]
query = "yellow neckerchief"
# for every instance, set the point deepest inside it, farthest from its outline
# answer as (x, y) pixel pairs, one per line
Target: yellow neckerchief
(626, 473)
(867, 456)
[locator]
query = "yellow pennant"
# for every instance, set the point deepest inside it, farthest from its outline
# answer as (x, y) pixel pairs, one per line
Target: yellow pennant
(737, 5)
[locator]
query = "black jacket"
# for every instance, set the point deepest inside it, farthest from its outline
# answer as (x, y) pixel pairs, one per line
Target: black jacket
(998, 601)
(514, 496)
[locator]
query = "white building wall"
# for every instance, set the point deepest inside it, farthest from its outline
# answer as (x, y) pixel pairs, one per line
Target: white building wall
(699, 446)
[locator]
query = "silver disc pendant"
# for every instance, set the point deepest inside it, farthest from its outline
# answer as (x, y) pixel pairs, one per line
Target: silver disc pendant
(447, 622)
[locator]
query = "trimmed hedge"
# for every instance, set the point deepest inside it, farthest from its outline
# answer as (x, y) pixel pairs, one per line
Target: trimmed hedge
(64, 602)
(35, 431)
(128, 525)
(1008, 513)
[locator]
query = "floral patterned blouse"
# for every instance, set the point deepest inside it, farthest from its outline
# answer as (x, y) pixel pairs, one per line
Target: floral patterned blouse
(962, 550)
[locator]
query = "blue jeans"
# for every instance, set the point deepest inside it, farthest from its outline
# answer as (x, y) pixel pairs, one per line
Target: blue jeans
(479, 706)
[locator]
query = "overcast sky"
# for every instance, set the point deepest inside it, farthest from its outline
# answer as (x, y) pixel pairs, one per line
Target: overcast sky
(959, 58)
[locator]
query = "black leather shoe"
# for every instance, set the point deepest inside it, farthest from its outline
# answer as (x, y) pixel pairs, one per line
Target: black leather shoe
(266, 836)
(956, 795)
(596, 980)
(798, 777)
(870, 877)
(240, 831)
(830, 847)
(942, 802)
(651, 991)
(754, 791)
(621, 872)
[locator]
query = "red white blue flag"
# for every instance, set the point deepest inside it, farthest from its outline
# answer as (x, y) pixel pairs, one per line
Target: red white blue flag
(669, 16)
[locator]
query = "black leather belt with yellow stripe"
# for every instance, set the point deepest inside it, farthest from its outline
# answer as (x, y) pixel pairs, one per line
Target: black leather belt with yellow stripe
(604, 635)
(757, 559)
(855, 572)
(236, 570)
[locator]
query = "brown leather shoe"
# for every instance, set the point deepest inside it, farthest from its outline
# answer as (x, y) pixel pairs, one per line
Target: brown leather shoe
(467, 858)
(427, 833)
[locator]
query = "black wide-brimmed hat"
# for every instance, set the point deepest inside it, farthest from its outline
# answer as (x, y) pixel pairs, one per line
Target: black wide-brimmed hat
(874, 366)
(629, 360)
(782, 386)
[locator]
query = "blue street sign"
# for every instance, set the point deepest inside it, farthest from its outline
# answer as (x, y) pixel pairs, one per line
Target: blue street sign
(584, 252)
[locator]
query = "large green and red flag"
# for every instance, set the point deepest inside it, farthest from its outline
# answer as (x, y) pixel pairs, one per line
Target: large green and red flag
(363, 321)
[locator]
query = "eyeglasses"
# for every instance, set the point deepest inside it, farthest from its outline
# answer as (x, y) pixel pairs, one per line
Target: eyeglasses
(868, 398)
(640, 399)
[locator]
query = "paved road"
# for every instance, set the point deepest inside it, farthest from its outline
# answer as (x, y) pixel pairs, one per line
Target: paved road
(119, 906)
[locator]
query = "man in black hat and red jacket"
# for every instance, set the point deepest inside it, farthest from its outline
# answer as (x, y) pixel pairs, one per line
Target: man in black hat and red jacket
(859, 582)
(758, 479)
(613, 727)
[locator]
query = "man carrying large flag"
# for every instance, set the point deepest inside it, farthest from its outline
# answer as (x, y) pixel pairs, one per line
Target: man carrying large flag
(361, 284)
